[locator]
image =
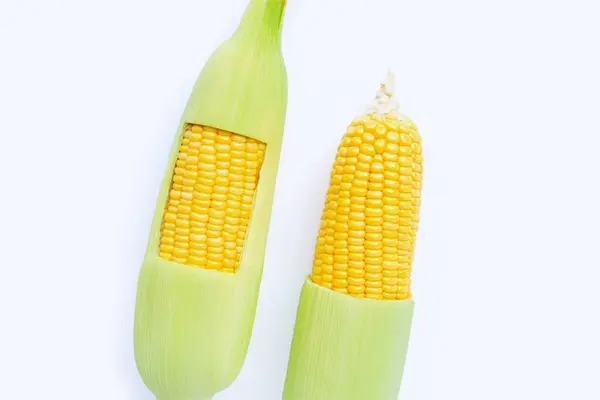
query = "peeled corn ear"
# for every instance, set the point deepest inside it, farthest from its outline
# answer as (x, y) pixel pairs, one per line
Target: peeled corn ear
(353, 322)
(198, 286)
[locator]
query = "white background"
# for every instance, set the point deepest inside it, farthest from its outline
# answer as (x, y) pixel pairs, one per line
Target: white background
(507, 97)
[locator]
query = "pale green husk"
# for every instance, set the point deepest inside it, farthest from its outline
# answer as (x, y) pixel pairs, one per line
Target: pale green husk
(346, 348)
(193, 326)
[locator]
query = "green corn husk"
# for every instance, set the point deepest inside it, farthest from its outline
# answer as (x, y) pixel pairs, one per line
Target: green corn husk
(346, 348)
(192, 325)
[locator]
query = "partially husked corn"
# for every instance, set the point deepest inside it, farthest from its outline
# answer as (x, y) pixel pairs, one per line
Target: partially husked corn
(355, 311)
(199, 282)
(367, 234)
(210, 199)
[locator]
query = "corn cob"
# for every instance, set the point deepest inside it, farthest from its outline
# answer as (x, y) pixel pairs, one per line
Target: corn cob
(353, 321)
(198, 286)
(210, 201)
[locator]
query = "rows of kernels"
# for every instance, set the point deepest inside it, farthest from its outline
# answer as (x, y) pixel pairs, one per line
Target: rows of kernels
(208, 208)
(371, 214)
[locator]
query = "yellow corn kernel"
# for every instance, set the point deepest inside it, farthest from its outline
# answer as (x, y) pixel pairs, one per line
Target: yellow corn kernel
(210, 200)
(371, 214)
